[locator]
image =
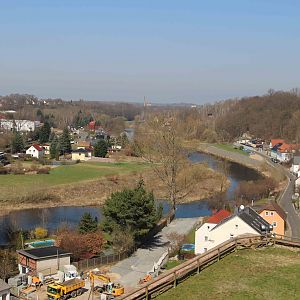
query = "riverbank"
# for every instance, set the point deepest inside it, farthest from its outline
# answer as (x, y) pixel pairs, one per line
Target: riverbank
(27, 191)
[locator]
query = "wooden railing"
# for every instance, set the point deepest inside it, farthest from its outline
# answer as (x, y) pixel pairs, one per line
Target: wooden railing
(195, 265)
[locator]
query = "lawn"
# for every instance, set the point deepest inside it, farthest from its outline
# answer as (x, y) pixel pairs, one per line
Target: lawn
(230, 147)
(15, 184)
(270, 273)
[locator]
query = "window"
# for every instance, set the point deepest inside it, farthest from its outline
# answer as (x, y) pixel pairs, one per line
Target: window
(236, 226)
(206, 238)
(266, 213)
(274, 224)
(205, 249)
(231, 235)
(272, 213)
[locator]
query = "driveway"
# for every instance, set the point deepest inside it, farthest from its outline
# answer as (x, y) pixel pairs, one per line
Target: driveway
(142, 261)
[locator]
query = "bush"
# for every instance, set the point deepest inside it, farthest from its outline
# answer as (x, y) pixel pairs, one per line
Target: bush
(45, 170)
(40, 232)
(3, 171)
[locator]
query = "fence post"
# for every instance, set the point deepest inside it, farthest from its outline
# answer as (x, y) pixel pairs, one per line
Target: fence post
(175, 280)
(198, 268)
(147, 292)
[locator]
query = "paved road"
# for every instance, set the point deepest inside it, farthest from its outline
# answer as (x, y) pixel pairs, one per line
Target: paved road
(136, 267)
(285, 200)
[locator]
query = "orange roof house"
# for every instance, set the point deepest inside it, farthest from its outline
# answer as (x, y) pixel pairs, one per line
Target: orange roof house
(275, 142)
(275, 216)
(219, 216)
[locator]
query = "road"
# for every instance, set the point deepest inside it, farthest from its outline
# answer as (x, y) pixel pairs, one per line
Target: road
(142, 261)
(285, 202)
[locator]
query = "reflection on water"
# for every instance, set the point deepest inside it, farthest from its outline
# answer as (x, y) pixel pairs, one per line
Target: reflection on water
(53, 217)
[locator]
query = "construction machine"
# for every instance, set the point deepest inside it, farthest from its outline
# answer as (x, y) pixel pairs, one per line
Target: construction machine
(108, 287)
(71, 288)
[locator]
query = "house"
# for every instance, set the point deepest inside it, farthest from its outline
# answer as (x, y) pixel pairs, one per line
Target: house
(4, 290)
(46, 149)
(283, 151)
(276, 142)
(244, 221)
(36, 151)
(19, 125)
(82, 154)
(83, 144)
(296, 164)
(46, 260)
(275, 216)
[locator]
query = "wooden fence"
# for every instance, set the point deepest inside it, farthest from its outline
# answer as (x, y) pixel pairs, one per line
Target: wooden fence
(178, 274)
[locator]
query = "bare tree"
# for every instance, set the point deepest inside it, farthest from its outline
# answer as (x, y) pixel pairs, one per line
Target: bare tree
(157, 141)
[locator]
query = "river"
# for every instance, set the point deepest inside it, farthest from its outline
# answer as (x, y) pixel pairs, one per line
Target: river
(52, 217)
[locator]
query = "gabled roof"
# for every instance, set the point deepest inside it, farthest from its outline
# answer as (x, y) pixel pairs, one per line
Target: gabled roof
(81, 150)
(38, 147)
(43, 253)
(288, 147)
(252, 218)
(273, 206)
(275, 142)
(219, 216)
(3, 286)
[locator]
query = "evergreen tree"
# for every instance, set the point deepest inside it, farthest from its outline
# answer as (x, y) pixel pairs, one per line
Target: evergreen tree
(52, 136)
(65, 142)
(55, 148)
(134, 209)
(17, 143)
(100, 149)
(87, 223)
(44, 133)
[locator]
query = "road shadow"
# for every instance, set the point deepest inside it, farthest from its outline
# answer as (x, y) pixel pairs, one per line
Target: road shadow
(155, 242)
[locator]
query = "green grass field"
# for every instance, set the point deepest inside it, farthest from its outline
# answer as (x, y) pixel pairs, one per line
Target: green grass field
(229, 147)
(15, 184)
(271, 273)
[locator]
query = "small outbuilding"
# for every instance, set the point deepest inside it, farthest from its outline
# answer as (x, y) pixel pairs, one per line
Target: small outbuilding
(82, 154)
(46, 260)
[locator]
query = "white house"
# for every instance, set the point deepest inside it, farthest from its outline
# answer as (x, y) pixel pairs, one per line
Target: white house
(243, 221)
(46, 149)
(36, 151)
(295, 166)
(19, 125)
(4, 290)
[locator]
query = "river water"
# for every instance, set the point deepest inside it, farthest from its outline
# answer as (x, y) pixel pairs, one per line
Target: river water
(52, 217)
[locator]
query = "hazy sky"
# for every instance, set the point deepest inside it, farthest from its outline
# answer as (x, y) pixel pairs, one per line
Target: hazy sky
(169, 51)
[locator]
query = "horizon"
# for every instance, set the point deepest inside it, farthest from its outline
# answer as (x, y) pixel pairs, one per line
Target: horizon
(170, 52)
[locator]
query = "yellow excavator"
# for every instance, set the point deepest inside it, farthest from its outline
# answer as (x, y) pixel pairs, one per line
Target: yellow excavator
(108, 287)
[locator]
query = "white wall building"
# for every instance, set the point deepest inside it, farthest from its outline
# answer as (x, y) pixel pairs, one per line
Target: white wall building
(295, 168)
(244, 221)
(4, 290)
(19, 125)
(36, 151)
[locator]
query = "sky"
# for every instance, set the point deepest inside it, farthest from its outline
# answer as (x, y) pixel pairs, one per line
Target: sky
(167, 50)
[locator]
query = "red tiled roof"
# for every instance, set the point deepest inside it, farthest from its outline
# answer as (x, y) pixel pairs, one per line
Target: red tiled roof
(288, 147)
(219, 216)
(38, 147)
(277, 141)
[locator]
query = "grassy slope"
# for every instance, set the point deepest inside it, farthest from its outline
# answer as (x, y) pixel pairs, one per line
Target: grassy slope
(271, 273)
(229, 147)
(11, 184)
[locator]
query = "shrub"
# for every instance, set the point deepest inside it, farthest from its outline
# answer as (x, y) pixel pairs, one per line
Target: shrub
(3, 171)
(40, 232)
(45, 170)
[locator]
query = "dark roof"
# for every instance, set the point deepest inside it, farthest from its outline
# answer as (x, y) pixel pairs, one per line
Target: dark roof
(45, 252)
(273, 206)
(251, 217)
(3, 285)
(81, 150)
